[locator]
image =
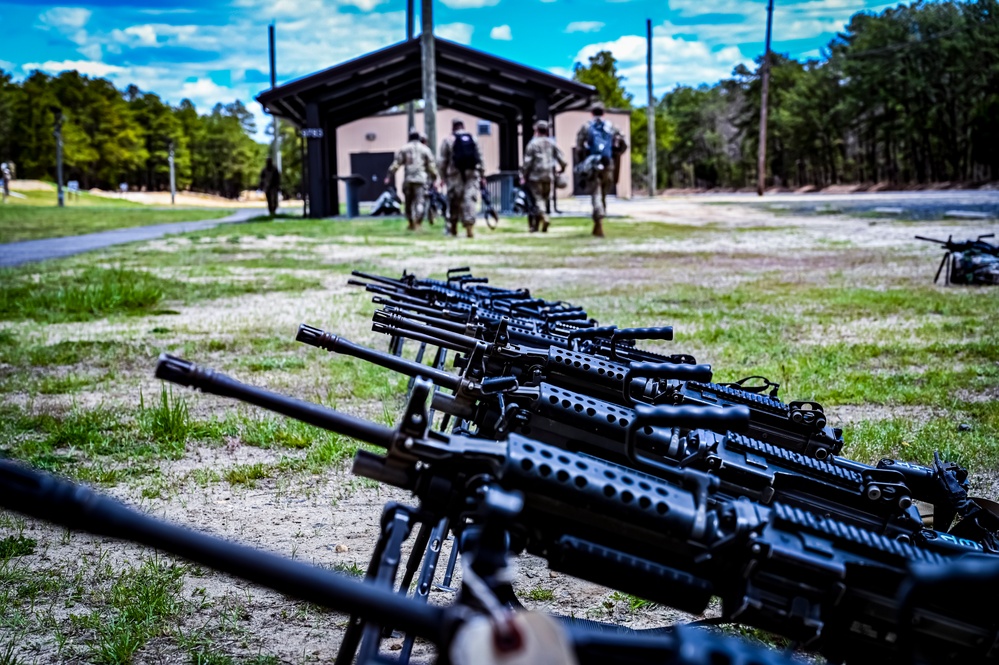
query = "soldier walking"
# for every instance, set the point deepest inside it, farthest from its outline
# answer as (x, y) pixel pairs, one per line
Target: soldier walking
(270, 182)
(596, 143)
(462, 168)
(419, 170)
(5, 177)
(540, 157)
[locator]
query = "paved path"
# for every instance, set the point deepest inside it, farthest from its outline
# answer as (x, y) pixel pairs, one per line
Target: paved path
(16, 253)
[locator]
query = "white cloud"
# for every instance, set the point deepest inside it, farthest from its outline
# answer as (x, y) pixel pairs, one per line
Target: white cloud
(455, 32)
(584, 26)
(7, 66)
(469, 4)
(65, 18)
(564, 72)
(92, 51)
(675, 61)
(85, 67)
(365, 5)
(501, 33)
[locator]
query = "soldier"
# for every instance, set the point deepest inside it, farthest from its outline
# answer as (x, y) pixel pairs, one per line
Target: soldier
(270, 182)
(5, 177)
(420, 171)
(462, 168)
(596, 143)
(540, 157)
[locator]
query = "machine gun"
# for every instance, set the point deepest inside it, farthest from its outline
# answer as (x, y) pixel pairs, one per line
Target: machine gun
(967, 261)
(671, 538)
(474, 630)
(798, 426)
(878, 498)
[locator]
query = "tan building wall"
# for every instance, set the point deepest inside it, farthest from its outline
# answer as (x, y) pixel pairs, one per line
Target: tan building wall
(388, 132)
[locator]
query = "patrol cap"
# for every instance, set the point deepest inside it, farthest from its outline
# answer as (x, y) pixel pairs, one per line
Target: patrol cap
(597, 108)
(457, 122)
(541, 125)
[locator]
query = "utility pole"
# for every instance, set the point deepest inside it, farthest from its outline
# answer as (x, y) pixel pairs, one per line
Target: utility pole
(58, 137)
(277, 123)
(761, 162)
(410, 21)
(652, 111)
(173, 179)
(429, 75)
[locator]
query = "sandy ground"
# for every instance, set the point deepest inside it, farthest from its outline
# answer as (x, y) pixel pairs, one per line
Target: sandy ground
(333, 519)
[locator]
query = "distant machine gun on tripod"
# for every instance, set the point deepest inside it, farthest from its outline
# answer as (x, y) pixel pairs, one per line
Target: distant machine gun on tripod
(968, 261)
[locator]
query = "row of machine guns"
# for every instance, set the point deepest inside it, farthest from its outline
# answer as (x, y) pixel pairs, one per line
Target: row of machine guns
(530, 428)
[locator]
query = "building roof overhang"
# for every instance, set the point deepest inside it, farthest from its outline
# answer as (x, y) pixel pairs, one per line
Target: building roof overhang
(468, 80)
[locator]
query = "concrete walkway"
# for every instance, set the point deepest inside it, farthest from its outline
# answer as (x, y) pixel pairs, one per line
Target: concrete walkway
(27, 251)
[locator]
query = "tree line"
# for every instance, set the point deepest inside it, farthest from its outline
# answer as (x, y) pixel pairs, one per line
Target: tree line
(908, 96)
(113, 136)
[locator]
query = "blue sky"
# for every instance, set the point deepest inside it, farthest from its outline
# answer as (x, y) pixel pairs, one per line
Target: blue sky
(216, 50)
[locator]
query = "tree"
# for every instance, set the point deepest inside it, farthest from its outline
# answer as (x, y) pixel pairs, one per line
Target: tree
(602, 74)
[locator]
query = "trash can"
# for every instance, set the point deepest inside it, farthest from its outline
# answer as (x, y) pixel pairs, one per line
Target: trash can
(352, 184)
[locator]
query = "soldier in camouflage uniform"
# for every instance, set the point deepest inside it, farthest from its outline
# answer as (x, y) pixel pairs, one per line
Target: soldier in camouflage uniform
(419, 171)
(540, 157)
(462, 168)
(598, 172)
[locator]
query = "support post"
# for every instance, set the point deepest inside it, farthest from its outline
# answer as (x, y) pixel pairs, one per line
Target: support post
(652, 111)
(173, 178)
(429, 75)
(313, 133)
(761, 161)
(410, 22)
(58, 137)
(276, 145)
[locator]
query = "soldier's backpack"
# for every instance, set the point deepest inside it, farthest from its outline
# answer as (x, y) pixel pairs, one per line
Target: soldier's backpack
(601, 140)
(463, 152)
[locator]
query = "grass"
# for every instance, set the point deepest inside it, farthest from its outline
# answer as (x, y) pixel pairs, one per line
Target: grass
(900, 362)
(38, 216)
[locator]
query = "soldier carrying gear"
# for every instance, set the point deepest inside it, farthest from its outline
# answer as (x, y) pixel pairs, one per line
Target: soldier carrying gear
(419, 171)
(462, 168)
(270, 182)
(597, 144)
(540, 157)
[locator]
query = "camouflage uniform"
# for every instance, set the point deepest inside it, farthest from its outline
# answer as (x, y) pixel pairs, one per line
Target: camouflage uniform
(600, 180)
(462, 187)
(540, 157)
(418, 163)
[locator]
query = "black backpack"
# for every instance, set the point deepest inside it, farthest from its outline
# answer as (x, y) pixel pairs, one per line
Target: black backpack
(601, 140)
(464, 156)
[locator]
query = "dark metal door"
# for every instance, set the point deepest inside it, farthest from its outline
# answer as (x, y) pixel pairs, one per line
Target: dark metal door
(373, 167)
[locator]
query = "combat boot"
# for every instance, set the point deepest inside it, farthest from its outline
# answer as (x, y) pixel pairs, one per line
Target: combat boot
(598, 228)
(451, 229)
(412, 226)
(544, 226)
(469, 232)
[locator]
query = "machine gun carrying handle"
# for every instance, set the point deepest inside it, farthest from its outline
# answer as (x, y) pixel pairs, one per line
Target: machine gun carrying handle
(719, 419)
(675, 371)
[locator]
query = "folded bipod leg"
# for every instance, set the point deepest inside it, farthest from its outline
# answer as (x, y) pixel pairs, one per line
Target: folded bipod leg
(397, 521)
(427, 573)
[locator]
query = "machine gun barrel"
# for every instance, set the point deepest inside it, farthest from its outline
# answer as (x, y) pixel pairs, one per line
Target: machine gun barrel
(937, 241)
(185, 373)
(77, 507)
(335, 344)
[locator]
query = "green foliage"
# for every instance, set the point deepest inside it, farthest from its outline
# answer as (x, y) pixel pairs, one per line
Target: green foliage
(13, 546)
(540, 594)
(246, 475)
(112, 136)
(601, 73)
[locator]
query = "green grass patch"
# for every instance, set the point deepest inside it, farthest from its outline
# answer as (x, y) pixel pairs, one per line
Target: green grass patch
(540, 594)
(13, 546)
(56, 296)
(247, 475)
(139, 606)
(38, 216)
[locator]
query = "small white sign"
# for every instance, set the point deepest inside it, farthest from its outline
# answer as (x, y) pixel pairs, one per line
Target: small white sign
(312, 133)
(74, 186)
(123, 187)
